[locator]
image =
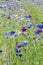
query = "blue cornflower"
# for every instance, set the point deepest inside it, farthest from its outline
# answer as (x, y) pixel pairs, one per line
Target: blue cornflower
(17, 50)
(0, 51)
(1, 7)
(29, 26)
(12, 32)
(24, 43)
(9, 32)
(15, 34)
(19, 55)
(9, 8)
(40, 26)
(27, 16)
(41, 22)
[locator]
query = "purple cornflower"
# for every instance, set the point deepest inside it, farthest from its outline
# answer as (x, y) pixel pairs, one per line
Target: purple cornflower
(38, 31)
(23, 29)
(19, 46)
(8, 17)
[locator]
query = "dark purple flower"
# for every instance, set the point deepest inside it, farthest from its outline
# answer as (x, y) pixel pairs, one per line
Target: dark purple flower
(18, 46)
(30, 16)
(23, 29)
(8, 17)
(38, 31)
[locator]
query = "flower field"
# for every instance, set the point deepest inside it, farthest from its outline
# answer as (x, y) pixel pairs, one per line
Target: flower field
(21, 32)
